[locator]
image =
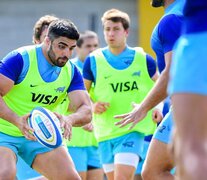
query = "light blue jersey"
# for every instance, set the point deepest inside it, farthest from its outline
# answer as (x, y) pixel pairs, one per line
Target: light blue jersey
(78, 63)
(164, 36)
(166, 32)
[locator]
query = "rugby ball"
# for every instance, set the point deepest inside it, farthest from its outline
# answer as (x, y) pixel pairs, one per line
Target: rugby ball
(46, 127)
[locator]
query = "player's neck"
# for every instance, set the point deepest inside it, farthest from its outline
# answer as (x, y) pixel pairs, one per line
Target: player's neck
(81, 58)
(167, 3)
(117, 50)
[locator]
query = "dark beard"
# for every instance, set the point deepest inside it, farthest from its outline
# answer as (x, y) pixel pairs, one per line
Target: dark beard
(53, 59)
(51, 55)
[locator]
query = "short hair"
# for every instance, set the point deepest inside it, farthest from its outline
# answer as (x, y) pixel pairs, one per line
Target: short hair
(63, 28)
(116, 15)
(84, 35)
(41, 25)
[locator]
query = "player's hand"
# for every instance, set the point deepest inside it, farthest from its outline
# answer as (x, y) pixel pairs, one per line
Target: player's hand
(88, 127)
(100, 107)
(133, 117)
(24, 127)
(65, 125)
(157, 116)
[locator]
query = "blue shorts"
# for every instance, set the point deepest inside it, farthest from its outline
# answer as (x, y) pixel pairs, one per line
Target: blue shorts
(164, 130)
(23, 147)
(24, 171)
(129, 143)
(188, 71)
(166, 106)
(85, 158)
(144, 154)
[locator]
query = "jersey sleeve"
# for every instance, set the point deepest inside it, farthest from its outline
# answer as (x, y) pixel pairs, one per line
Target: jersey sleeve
(169, 30)
(11, 65)
(77, 80)
(87, 71)
(151, 65)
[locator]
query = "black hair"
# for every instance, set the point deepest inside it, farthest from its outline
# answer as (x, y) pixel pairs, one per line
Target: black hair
(63, 28)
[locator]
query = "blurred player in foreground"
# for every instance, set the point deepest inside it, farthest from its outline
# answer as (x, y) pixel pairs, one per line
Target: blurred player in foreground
(189, 93)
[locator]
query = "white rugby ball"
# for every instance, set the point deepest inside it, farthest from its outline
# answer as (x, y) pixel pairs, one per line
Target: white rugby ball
(46, 127)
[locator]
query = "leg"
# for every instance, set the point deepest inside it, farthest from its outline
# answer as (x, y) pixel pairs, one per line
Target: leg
(24, 171)
(83, 175)
(79, 157)
(142, 160)
(94, 168)
(124, 172)
(125, 166)
(190, 113)
(50, 164)
(129, 149)
(107, 158)
(137, 177)
(120, 170)
(159, 160)
(188, 90)
(158, 163)
(109, 171)
(120, 156)
(94, 174)
(8, 164)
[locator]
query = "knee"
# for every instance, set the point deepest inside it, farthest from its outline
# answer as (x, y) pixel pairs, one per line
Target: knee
(7, 173)
(75, 177)
(72, 176)
(147, 173)
(194, 163)
(124, 177)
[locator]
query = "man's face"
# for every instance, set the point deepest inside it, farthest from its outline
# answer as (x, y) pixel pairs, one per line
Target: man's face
(60, 50)
(88, 46)
(114, 33)
(157, 3)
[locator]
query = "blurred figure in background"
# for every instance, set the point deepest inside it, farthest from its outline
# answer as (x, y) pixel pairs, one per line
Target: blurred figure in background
(121, 75)
(83, 146)
(40, 28)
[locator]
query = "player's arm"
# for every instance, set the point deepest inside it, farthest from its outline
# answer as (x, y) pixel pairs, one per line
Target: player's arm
(80, 103)
(5, 85)
(158, 93)
(157, 115)
(98, 107)
(10, 68)
(88, 75)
